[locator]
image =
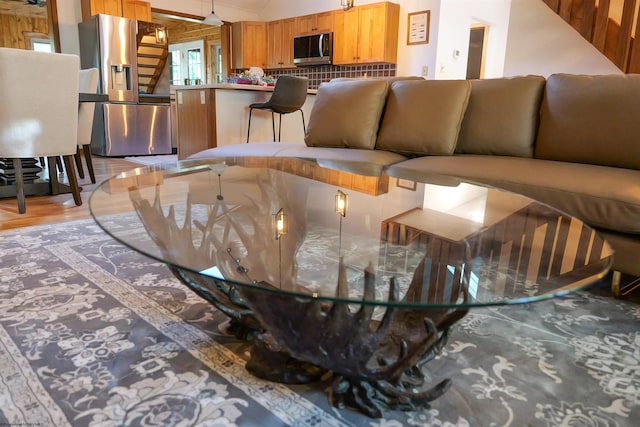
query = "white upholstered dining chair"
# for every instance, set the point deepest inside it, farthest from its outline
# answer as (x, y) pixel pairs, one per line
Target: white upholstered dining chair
(88, 83)
(38, 114)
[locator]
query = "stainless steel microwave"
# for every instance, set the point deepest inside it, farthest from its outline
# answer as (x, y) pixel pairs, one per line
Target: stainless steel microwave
(313, 49)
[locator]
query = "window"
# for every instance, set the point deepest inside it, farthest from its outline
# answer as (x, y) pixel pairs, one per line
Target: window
(187, 62)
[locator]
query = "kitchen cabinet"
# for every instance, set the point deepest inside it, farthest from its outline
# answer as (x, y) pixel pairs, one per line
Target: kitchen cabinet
(366, 34)
(314, 23)
(94, 7)
(135, 9)
(248, 44)
(280, 43)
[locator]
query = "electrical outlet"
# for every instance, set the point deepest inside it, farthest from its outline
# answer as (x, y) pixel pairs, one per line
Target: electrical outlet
(425, 71)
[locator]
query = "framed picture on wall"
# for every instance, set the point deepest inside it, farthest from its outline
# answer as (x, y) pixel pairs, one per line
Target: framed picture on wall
(418, 27)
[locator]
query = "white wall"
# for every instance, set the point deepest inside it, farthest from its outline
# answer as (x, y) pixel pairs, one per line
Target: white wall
(456, 19)
(541, 43)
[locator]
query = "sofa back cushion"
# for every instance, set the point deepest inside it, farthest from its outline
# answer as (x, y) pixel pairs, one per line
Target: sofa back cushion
(502, 117)
(591, 119)
(347, 114)
(423, 116)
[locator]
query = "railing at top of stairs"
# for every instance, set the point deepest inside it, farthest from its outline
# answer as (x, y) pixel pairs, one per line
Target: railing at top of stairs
(592, 19)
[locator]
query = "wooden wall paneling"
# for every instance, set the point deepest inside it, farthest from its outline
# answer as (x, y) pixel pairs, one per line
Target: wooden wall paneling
(601, 21)
(14, 28)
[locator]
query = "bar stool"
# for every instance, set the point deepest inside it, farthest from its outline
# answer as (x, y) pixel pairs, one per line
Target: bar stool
(288, 96)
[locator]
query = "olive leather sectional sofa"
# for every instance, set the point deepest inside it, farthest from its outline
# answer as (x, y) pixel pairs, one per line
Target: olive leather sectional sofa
(571, 141)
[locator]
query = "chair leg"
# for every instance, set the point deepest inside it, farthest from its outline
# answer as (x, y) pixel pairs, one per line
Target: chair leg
(87, 157)
(73, 182)
(304, 126)
(273, 125)
(76, 157)
(53, 174)
(249, 127)
(17, 169)
(59, 165)
(279, 126)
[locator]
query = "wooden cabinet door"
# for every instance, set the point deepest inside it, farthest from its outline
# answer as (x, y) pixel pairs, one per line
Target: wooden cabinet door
(280, 43)
(371, 34)
(305, 24)
(249, 46)
(255, 45)
(106, 7)
(136, 9)
(274, 44)
(314, 23)
(324, 22)
(288, 32)
(345, 36)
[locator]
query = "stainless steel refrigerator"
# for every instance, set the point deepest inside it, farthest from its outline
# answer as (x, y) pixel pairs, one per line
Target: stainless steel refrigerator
(128, 124)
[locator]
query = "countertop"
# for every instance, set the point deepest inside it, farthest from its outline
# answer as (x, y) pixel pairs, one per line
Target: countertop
(233, 87)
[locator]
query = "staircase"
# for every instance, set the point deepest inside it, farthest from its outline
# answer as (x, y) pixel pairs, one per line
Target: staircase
(594, 20)
(152, 58)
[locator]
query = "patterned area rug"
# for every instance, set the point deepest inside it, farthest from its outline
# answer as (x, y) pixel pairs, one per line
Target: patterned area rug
(92, 333)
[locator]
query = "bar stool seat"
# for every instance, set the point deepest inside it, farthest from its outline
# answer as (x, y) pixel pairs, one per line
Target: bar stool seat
(288, 96)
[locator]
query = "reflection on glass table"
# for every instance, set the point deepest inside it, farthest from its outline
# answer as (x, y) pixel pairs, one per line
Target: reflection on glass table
(331, 266)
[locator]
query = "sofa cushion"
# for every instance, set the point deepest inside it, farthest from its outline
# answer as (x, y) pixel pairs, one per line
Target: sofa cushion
(423, 116)
(610, 201)
(347, 114)
(502, 117)
(591, 119)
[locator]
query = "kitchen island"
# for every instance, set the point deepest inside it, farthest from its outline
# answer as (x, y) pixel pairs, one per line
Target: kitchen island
(214, 115)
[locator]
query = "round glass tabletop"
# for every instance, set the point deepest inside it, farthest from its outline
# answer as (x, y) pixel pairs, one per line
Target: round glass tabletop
(346, 232)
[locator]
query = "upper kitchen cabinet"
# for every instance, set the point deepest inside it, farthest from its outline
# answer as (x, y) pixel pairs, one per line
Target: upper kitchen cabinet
(280, 43)
(135, 9)
(366, 34)
(315, 23)
(248, 44)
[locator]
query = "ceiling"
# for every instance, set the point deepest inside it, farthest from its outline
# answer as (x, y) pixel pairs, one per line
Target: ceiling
(253, 5)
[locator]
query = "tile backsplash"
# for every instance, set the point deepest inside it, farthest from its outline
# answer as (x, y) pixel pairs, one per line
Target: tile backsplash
(324, 73)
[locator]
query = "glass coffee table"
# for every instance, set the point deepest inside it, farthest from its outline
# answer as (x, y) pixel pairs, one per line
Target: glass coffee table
(336, 267)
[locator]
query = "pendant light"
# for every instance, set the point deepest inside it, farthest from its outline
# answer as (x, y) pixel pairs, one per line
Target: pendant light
(213, 18)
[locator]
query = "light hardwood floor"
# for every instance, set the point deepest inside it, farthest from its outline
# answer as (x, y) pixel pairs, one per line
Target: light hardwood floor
(50, 209)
